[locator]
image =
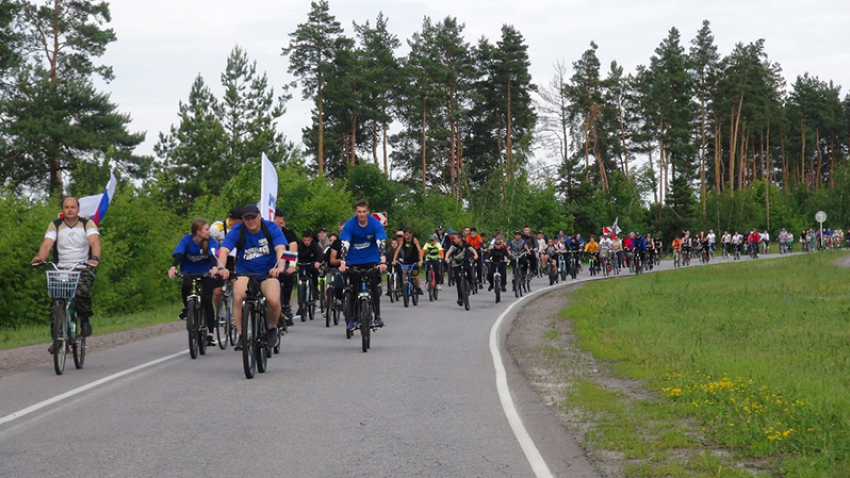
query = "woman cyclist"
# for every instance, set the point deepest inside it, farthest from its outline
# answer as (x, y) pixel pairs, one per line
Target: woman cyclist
(193, 255)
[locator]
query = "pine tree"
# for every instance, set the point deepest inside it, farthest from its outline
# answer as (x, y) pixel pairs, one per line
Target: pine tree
(703, 63)
(311, 52)
(249, 111)
(56, 119)
(196, 152)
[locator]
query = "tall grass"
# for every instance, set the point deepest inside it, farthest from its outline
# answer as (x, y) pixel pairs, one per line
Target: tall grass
(37, 334)
(757, 351)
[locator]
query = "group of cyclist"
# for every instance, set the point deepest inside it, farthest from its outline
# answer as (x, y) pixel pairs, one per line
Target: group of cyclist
(245, 245)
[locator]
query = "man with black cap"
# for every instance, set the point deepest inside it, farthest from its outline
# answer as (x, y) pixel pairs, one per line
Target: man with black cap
(219, 229)
(260, 244)
(287, 281)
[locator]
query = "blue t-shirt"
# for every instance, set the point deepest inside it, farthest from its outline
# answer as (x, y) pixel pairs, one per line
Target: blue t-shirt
(256, 256)
(194, 261)
(362, 241)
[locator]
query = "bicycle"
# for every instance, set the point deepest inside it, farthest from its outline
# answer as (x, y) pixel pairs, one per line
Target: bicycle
(705, 255)
(408, 288)
(562, 265)
(331, 310)
(552, 269)
(62, 289)
(497, 278)
(460, 277)
(591, 264)
(677, 258)
(638, 262)
(725, 251)
(686, 256)
(196, 325)
(432, 281)
(363, 308)
(321, 287)
(306, 299)
(737, 252)
(255, 350)
(518, 278)
(225, 331)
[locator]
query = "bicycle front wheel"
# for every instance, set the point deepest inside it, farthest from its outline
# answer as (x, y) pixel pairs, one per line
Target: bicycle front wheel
(192, 317)
(60, 336)
(365, 324)
(222, 330)
(261, 349)
(465, 288)
(249, 358)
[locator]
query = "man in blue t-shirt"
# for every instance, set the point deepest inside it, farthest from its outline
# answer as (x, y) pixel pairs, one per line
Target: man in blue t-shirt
(257, 256)
(364, 244)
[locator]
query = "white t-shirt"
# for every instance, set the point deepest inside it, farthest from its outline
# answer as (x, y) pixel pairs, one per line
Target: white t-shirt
(727, 238)
(72, 243)
(711, 238)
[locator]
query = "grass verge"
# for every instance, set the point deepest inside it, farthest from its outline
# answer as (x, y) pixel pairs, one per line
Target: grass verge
(32, 335)
(749, 363)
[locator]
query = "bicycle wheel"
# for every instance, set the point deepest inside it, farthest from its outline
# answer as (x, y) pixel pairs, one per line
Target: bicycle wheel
(390, 290)
(60, 336)
(302, 310)
(79, 349)
(405, 293)
(191, 327)
(414, 294)
(249, 357)
(515, 284)
(497, 286)
(365, 324)
(261, 349)
(464, 287)
(202, 330)
(222, 329)
(432, 288)
(321, 287)
(311, 303)
(328, 307)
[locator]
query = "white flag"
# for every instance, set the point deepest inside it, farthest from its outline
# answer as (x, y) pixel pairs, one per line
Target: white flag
(615, 227)
(268, 189)
(94, 207)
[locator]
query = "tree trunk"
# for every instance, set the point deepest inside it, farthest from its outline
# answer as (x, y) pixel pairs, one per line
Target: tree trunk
(424, 155)
(624, 156)
(803, 154)
(702, 159)
(586, 148)
(386, 165)
(832, 160)
(508, 139)
(652, 170)
(784, 161)
(375, 143)
(718, 175)
(817, 178)
(320, 153)
(732, 151)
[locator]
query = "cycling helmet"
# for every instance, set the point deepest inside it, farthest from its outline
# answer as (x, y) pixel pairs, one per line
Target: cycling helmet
(433, 237)
(451, 231)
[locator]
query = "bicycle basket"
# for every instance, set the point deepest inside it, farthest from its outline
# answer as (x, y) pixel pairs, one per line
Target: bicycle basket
(62, 284)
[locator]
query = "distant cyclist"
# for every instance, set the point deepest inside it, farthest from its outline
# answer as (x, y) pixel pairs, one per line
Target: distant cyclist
(364, 244)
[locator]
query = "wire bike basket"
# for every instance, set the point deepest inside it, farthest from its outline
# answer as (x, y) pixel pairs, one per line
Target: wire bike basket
(62, 284)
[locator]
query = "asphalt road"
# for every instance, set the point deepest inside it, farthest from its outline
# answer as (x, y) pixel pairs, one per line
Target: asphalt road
(423, 402)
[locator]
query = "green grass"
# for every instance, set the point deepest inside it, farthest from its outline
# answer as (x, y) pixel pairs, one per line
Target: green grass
(32, 335)
(757, 353)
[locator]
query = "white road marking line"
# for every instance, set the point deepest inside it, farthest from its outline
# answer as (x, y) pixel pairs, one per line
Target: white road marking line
(79, 390)
(532, 454)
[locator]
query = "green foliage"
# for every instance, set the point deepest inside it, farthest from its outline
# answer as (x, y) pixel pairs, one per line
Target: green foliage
(762, 368)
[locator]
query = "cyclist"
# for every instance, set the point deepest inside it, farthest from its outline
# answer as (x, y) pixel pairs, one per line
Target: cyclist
(333, 256)
(364, 245)
(310, 252)
(712, 239)
(218, 230)
(322, 238)
(617, 250)
(432, 256)
(411, 253)
(460, 255)
(737, 242)
(475, 240)
(639, 246)
(677, 249)
(753, 243)
(658, 246)
(498, 256)
(686, 245)
(726, 239)
(532, 247)
(765, 241)
(542, 243)
(259, 244)
(592, 250)
(516, 247)
(195, 254)
(287, 281)
(73, 239)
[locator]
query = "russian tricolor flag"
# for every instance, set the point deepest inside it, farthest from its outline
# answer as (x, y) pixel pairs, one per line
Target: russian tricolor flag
(95, 207)
(290, 256)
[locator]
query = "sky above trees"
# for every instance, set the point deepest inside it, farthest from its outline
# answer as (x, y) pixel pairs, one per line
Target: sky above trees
(163, 45)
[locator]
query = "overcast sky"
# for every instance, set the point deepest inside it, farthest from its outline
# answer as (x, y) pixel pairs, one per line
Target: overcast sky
(164, 44)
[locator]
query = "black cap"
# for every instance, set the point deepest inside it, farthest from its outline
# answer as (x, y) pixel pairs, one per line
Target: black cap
(278, 212)
(236, 213)
(322, 229)
(250, 210)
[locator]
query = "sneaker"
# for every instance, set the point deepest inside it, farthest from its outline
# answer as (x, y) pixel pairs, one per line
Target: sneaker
(439, 287)
(480, 286)
(352, 324)
(289, 322)
(50, 349)
(287, 311)
(460, 302)
(419, 291)
(337, 304)
(504, 289)
(271, 337)
(378, 322)
(211, 341)
(182, 314)
(86, 326)
(489, 289)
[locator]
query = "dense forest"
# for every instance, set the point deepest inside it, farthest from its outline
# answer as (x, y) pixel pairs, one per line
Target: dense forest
(453, 132)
